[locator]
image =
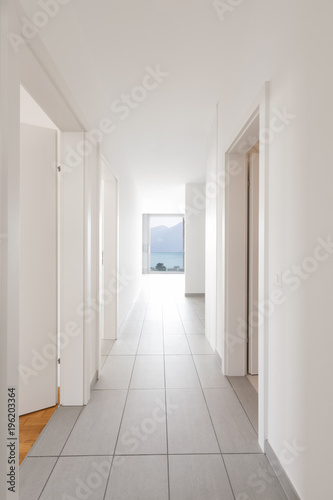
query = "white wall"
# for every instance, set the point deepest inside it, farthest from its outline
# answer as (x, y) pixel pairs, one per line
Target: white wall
(172, 203)
(195, 200)
(130, 241)
(31, 112)
(110, 255)
(269, 43)
(9, 226)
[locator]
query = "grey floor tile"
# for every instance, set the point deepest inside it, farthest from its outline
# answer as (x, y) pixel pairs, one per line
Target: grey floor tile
(171, 316)
(106, 346)
(239, 382)
(137, 315)
(254, 381)
(96, 430)
(206, 478)
(140, 305)
(193, 327)
(154, 305)
(103, 360)
(209, 371)
(184, 307)
(173, 327)
(188, 314)
(116, 373)
(200, 311)
(180, 372)
(233, 428)
(151, 344)
(170, 310)
(131, 328)
(78, 477)
(55, 434)
(176, 344)
(154, 315)
(189, 425)
(152, 327)
(199, 344)
(148, 373)
(252, 478)
(138, 478)
(34, 472)
(248, 397)
(126, 345)
(143, 429)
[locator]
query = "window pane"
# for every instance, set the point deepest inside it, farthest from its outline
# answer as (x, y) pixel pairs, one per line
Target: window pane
(167, 243)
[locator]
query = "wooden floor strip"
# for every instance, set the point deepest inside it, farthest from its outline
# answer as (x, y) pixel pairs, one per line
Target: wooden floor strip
(31, 426)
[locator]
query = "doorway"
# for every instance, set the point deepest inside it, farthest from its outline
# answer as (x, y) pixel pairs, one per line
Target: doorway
(246, 255)
(39, 378)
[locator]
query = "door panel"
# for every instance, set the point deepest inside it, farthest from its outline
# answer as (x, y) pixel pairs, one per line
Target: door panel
(38, 269)
(253, 262)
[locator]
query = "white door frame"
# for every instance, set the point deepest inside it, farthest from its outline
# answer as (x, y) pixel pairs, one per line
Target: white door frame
(255, 124)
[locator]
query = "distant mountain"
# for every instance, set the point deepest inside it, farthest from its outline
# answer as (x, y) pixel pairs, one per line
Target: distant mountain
(167, 239)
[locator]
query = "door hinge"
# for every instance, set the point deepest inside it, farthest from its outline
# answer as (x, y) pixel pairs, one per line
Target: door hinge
(58, 361)
(59, 169)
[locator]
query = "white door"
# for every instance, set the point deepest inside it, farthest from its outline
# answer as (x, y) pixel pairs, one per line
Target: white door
(110, 259)
(253, 262)
(38, 269)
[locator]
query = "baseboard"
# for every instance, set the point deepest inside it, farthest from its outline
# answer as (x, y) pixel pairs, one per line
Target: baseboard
(280, 473)
(94, 380)
(195, 294)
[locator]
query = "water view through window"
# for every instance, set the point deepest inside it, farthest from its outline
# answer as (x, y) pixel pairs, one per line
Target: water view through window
(166, 243)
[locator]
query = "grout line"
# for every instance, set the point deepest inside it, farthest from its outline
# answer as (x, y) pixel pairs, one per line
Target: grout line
(211, 420)
(166, 408)
(49, 477)
(148, 454)
(62, 449)
(108, 479)
(240, 402)
(123, 412)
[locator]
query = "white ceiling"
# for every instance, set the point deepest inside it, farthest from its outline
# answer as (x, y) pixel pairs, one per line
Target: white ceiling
(102, 49)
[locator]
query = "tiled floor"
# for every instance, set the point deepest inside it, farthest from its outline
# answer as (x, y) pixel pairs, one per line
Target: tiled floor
(163, 422)
(254, 381)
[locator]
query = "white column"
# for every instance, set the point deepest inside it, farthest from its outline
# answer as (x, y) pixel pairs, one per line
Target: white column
(73, 270)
